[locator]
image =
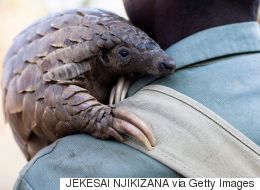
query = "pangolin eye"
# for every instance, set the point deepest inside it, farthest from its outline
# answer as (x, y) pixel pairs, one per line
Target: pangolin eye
(123, 53)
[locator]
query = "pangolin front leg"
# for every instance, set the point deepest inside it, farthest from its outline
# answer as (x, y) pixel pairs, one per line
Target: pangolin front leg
(70, 109)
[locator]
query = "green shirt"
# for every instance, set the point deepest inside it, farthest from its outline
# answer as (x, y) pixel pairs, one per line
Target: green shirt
(218, 67)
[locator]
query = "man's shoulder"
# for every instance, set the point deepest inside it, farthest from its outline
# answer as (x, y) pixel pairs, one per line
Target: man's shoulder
(81, 153)
(84, 156)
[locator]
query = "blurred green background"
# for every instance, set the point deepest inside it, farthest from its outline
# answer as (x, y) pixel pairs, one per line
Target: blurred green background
(15, 15)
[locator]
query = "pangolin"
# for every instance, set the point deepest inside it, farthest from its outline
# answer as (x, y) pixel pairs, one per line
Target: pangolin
(59, 71)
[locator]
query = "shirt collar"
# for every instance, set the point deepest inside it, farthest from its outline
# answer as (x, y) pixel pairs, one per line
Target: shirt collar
(216, 42)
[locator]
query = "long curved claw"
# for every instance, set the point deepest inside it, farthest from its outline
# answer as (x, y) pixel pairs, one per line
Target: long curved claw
(125, 89)
(135, 121)
(115, 134)
(119, 88)
(127, 128)
(112, 96)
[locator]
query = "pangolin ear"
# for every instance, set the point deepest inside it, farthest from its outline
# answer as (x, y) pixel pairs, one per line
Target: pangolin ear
(104, 58)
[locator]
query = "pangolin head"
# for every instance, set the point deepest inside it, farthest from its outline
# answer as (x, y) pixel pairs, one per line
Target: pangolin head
(135, 51)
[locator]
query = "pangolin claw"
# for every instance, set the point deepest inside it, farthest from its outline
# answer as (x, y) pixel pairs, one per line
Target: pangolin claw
(130, 124)
(126, 122)
(119, 91)
(117, 122)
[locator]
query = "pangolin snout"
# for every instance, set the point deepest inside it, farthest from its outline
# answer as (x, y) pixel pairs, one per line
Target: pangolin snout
(166, 67)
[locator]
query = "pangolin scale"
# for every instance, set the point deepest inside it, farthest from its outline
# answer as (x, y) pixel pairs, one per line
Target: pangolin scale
(59, 71)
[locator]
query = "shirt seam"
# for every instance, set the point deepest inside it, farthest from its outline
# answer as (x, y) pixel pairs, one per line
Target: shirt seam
(33, 163)
(25, 181)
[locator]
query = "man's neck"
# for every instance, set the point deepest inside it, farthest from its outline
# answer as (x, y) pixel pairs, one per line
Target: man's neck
(170, 21)
(195, 19)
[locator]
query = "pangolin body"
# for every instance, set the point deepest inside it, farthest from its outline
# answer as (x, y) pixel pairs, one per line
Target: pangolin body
(60, 69)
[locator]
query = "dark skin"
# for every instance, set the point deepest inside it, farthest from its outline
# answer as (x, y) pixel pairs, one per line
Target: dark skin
(168, 21)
